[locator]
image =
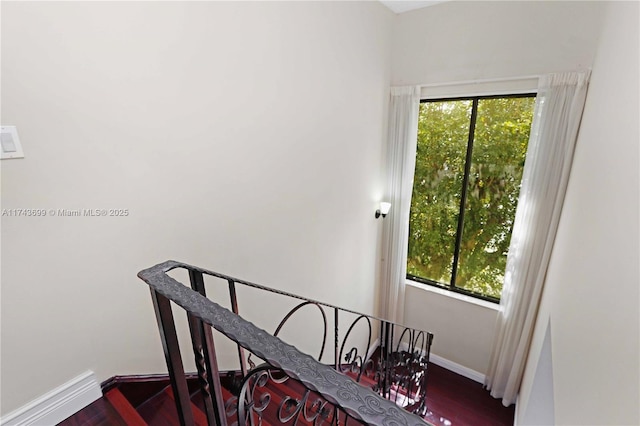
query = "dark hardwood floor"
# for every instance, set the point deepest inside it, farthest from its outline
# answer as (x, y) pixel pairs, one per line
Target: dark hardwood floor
(456, 400)
(100, 412)
(452, 400)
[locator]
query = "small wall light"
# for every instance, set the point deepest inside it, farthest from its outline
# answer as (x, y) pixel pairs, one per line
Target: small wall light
(383, 210)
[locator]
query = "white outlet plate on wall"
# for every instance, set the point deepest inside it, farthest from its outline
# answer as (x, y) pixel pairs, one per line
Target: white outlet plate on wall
(10, 145)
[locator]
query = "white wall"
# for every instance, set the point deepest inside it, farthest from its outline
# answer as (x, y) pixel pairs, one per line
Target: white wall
(243, 137)
(591, 297)
(462, 330)
(540, 406)
(461, 41)
(458, 41)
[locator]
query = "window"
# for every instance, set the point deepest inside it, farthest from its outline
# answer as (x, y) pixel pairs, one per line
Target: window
(469, 163)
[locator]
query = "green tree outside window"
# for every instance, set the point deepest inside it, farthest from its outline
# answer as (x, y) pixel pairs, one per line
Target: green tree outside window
(497, 152)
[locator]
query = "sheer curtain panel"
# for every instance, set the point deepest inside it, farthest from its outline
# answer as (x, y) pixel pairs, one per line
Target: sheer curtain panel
(402, 138)
(554, 131)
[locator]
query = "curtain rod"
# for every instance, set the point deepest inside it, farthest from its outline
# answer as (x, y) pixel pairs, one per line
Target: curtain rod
(491, 80)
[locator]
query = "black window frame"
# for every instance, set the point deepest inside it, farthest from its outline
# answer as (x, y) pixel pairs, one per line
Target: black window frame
(463, 198)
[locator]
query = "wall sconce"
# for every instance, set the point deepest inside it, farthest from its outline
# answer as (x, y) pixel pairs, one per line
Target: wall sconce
(383, 210)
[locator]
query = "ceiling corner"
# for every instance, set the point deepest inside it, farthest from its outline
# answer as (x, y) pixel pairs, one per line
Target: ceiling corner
(401, 6)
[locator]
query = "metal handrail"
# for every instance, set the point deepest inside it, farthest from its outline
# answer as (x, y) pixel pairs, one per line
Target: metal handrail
(361, 403)
(172, 264)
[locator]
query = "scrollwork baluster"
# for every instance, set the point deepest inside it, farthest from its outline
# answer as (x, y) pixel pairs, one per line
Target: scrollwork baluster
(205, 360)
(399, 374)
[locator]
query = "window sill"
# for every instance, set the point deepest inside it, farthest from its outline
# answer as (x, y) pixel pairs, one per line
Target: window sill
(454, 295)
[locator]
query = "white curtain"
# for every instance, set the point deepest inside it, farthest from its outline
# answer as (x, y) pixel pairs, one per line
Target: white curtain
(554, 131)
(401, 160)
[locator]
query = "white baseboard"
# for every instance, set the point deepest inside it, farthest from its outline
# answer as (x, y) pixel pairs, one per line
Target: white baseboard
(457, 368)
(58, 404)
(452, 366)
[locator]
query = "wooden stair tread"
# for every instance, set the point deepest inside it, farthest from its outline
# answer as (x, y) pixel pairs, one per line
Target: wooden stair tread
(199, 417)
(124, 409)
(98, 413)
(159, 410)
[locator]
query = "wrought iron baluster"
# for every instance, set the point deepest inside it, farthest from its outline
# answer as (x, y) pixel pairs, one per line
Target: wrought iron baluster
(324, 323)
(336, 339)
(169, 338)
(354, 359)
(422, 409)
(234, 308)
(385, 354)
(398, 370)
(206, 361)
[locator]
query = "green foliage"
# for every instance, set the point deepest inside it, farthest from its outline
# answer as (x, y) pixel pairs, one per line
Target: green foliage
(499, 149)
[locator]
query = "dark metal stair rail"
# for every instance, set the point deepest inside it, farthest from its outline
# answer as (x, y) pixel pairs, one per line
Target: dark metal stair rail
(361, 403)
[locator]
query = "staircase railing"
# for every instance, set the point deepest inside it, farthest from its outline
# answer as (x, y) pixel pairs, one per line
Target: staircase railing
(395, 374)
